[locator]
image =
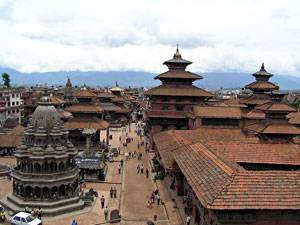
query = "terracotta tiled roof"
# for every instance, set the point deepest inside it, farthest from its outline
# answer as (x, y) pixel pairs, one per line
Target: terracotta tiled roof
(167, 141)
(221, 184)
(83, 93)
(109, 106)
(264, 85)
(84, 108)
(118, 99)
(83, 122)
(64, 115)
(234, 103)
(9, 140)
(17, 130)
(106, 95)
(253, 114)
(56, 101)
(294, 118)
(178, 90)
(179, 74)
(272, 190)
(206, 172)
(275, 128)
(124, 110)
(283, 154)
(276, 107)
(255, 100)
(217, 112)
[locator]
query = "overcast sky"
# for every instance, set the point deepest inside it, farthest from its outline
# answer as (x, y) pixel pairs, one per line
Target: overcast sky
(111, 35)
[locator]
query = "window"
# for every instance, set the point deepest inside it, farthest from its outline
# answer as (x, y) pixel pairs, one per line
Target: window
(17, 103)
(17, 95)
(17, 111)
(8, 104)
(13, 111)
(179, 108)
(179, 99)
(13, 95)
(8, 112)
(164, 99)
(13, 103)
(165, 107)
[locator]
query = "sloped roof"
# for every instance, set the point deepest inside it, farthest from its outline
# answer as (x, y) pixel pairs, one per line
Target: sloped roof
(88, 108)
(179, 74)
(85, 93)
(253, 114)
(294, 118)
(282, 154)
(276, 107)
(263, 85)
(273, 128)
(271, 190)
(255, 99)
(178, 90)
(10, 140)
(217, 112)
(56, 101)
(86, 122)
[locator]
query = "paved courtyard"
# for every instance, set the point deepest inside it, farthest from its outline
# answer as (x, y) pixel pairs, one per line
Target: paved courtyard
(132, 189)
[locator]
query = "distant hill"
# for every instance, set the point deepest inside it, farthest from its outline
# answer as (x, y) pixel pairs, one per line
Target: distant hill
(137, 79)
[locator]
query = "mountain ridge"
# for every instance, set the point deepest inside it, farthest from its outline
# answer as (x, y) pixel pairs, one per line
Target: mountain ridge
(229, 80)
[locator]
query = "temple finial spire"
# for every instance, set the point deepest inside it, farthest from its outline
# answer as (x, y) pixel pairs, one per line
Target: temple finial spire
(177, 54)
(263, 66)
(45, 87)
(117, 84)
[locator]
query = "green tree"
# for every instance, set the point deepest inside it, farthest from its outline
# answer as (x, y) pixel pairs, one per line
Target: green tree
(6, 80)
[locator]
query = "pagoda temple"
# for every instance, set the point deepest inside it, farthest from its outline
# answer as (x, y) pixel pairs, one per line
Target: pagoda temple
(176, 96)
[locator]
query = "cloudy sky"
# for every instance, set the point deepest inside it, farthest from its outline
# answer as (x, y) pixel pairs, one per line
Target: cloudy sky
(125, 35)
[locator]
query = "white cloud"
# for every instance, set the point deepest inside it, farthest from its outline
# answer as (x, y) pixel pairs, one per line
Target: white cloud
(139, 35)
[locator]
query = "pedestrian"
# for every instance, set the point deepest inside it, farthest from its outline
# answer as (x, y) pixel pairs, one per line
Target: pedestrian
(40, 214)
(121, 162)
(111, 191)
(74, 222)
(138, 168)
(102, 201)
(119, 169)
(156, 192)
(141, 155)
(32, 212)
(129, 155)
(115, 192)
(27, 209)
(138, 145)
(142, 169)
(120, 138)
(188, 219)
(153, 196)
(158, 198)
(119, 150)
(106, 214)
(147, 173)
(132, 139)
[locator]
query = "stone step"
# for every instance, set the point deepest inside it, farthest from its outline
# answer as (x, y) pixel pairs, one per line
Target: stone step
(47, 212)
(33, 204)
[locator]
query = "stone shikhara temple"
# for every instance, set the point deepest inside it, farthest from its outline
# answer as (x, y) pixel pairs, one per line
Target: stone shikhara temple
(46, 174)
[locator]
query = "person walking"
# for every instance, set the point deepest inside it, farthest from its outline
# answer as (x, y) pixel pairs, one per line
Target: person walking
(111, 191)
(121, 162)
(147, 173)
(138, 168)
(102, 201)
(115, 192)
(188, 219)
(141, 154)
(74, 222)
(27, 209)
(153, 196)
(40, 213)
(32, 212)
(158, 198)
(142, 169)
(119, 169)
(106, 214)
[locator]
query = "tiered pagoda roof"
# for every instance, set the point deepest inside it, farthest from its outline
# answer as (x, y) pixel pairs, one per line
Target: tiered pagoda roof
(259, 87)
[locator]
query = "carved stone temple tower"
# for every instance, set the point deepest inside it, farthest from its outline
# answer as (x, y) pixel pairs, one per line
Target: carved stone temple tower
(46, 174)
